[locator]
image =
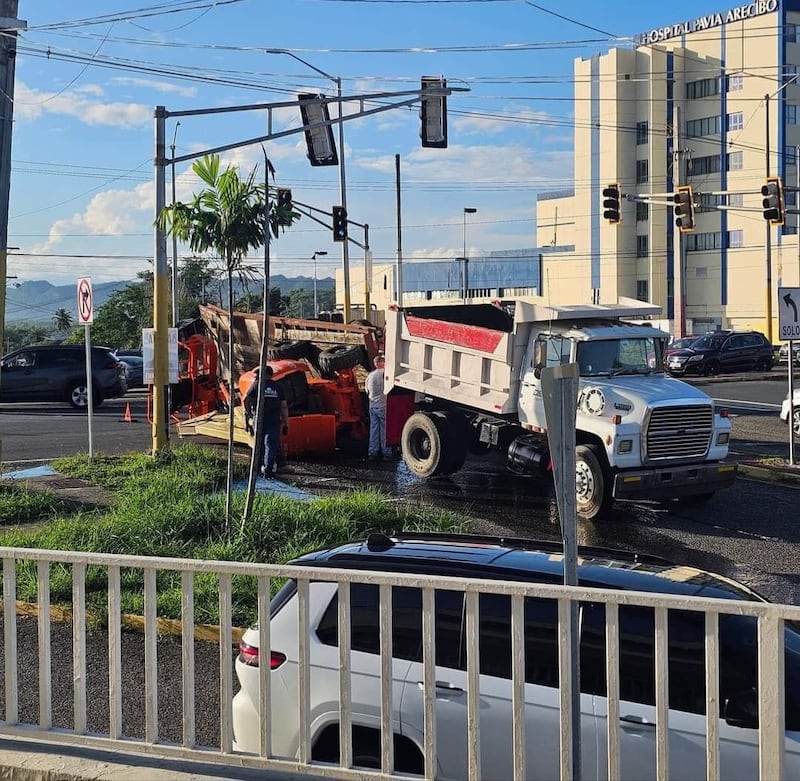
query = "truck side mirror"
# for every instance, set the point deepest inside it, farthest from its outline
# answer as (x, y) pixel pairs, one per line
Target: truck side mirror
(539, 358)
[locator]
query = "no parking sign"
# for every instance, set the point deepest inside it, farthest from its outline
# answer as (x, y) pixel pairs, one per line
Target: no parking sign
(85, 305)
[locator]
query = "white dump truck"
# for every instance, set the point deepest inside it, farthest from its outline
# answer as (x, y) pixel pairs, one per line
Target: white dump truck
(466, 378)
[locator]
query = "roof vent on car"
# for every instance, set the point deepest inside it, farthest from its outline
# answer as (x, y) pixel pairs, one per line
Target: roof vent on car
(378, 541)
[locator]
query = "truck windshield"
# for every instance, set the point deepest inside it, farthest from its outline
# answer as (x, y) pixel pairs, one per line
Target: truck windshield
(610, 357)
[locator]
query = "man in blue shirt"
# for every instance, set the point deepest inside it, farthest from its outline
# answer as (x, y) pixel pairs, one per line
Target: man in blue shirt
(274, 416)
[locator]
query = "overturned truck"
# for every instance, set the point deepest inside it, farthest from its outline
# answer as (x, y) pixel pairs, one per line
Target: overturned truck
(320, 366)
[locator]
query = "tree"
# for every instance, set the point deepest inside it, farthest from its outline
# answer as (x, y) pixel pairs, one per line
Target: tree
(198, 281)
(228, 218)
(62, 319)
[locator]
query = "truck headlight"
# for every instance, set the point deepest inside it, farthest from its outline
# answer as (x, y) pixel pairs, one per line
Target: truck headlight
(593, 401)
(625, 446)
(723, 438)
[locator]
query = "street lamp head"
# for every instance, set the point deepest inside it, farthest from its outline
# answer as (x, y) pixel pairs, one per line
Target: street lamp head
(470, 210)
(319, 253)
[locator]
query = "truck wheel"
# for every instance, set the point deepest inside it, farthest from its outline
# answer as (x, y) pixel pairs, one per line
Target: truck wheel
(422, 445)
(292, 350)
(592, 491)
(453, 430)
(346, 356)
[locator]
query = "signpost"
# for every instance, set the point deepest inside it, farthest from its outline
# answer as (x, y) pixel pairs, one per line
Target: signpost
(789, 330)
(560, 397)
(86, 316)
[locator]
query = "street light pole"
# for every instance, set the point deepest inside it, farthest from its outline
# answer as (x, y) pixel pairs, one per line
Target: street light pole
(342, 180)
(318, 253)
(464, 285)
(175, 312)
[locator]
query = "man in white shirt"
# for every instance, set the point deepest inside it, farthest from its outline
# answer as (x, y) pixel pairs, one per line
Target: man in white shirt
(373, 385)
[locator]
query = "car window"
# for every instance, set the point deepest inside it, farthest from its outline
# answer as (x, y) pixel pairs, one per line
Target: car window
(22, 359)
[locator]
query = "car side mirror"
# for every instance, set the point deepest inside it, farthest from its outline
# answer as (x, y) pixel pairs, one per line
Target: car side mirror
(539, 358)
(741, 710)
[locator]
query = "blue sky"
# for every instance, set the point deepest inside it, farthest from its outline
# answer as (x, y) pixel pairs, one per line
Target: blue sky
(89, 75)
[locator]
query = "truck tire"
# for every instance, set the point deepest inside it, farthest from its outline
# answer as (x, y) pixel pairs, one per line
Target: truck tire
(592, 486)
(289, 349)
(422, 443)
(346, 356)
(454, 440)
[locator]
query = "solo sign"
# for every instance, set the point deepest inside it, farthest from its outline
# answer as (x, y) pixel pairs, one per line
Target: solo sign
(789, 314)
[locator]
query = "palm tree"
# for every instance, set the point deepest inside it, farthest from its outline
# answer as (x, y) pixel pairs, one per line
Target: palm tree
(62, 319)
(229, 219)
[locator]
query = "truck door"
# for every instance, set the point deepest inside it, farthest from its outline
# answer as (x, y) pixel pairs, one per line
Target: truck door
(544, 351)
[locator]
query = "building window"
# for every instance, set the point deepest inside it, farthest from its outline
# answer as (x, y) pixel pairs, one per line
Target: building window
(790, 33)
(641, 246)
(707, 126)
(736, 121)
(701, 272)
(704, 88)
(789, 73)
(789, 154)
(735, 199)
(791, 115)
(735, 82)
(735, 161)
(705, 242)
(642, 171)
(641, 133)
(641, 290)
(642, 211)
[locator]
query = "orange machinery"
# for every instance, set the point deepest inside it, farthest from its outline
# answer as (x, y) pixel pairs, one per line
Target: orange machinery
(320, 410)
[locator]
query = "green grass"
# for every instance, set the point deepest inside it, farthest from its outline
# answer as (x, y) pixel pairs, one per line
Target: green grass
(174, 506)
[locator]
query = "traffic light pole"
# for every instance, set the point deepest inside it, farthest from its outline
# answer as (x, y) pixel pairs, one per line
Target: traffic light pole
(768, 244)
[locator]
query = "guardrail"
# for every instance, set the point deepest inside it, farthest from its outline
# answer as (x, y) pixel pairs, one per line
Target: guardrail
(29, 699)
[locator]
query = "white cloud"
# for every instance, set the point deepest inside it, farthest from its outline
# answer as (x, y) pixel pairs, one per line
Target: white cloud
(31, 104)
(156, 86)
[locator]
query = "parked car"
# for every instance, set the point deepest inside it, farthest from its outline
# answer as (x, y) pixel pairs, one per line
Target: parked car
(792, 411)
(510, 560)
(58, 373)
(134, 370)
(722, 351)
(783, 353)
(681, 343)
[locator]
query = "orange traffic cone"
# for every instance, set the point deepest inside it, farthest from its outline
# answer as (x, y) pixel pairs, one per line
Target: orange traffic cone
(127, 417)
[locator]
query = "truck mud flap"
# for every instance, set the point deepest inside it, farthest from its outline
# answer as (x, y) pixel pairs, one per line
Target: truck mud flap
(674, 482)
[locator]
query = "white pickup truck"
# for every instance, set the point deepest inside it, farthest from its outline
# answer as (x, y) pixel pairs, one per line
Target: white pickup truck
(466, 378)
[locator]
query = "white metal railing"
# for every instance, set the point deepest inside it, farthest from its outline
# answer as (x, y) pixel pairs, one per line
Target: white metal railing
(770, 618)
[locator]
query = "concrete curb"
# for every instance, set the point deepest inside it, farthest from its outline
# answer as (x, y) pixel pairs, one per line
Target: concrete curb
(771, 474)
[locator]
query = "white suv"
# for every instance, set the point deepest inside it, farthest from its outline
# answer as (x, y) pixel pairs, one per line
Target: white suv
(520, 560)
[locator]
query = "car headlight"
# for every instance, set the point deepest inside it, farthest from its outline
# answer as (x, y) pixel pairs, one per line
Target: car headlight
(695, 358)
(593, 401)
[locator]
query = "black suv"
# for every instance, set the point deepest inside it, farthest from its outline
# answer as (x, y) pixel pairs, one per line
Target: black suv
(58, 373)
(722, 351)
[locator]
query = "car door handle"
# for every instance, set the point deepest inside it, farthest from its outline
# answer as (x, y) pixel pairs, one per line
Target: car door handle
(637, 721)
(443, 687)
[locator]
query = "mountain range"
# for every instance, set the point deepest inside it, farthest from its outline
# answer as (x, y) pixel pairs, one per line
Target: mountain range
(37, 301)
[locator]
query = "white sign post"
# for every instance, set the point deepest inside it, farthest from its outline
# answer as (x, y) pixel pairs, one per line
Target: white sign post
(86, 316)
(789, 330)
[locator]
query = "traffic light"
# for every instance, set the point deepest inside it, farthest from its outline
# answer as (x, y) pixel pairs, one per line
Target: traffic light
(774, 204)
(684, 208)
(433, 113)
(611, 204)
(284, 204)
(339, 223)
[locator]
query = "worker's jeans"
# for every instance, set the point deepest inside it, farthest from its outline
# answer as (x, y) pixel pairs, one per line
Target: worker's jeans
(272, 445)
(377, 432)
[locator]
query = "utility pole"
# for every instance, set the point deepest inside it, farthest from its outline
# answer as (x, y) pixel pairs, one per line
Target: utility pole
(9, 24)
(768, 251)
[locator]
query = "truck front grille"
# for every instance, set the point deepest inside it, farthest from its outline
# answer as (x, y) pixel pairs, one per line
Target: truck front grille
(679, 432)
